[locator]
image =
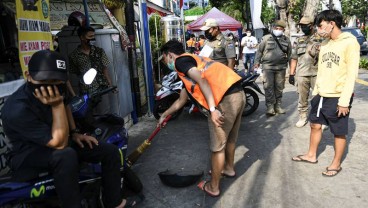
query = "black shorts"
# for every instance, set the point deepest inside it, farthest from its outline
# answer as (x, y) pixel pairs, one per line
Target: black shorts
(328, 114)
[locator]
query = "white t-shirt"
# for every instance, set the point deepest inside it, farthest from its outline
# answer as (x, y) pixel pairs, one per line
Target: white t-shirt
(247, 43)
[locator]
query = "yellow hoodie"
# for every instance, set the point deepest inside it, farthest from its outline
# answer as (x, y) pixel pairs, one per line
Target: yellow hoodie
(338, 66)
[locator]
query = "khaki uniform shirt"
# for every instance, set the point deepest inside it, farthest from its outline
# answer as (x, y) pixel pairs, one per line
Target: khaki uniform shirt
(223, 49)
(306, 53)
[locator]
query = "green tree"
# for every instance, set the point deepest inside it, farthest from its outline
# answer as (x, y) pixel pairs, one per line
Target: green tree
(268, 14)
(195, 11)
(233, 8)
(359, 8)
(296, 9)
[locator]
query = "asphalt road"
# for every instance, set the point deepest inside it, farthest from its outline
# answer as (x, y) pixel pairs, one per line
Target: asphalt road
(266, 176)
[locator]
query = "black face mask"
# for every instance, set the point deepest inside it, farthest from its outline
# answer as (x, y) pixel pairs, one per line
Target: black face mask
(91, 41)
(208, 35)
(32, 87)
(306, 29)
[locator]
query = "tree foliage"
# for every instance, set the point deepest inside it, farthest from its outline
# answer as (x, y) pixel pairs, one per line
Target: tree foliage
(196, 11)
(296, 9)
(359, 8)
(235, 10)
(268, 14)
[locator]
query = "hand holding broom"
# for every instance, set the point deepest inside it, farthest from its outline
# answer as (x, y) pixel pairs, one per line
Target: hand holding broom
(133, 157)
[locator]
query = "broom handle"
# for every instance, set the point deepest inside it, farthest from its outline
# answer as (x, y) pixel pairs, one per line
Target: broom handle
(158, 128)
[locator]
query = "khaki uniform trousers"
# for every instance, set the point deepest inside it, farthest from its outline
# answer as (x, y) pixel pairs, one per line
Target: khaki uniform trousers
(304, 86)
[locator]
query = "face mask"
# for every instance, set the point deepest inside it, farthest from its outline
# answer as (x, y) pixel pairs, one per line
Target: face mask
(208, 35)
(249, 34)
(91, 41)
(324, 33)
(32, 87)
(171, 65)
(306, 29)
(277, 33)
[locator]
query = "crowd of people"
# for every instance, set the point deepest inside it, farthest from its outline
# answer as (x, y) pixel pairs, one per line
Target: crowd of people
(325, 62)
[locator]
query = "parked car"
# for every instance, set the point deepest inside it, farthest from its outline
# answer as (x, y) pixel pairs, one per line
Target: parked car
(360, 37)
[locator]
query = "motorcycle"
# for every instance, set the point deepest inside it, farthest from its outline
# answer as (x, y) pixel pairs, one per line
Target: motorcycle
(40, 192)
(167, 94)
(250, 88)
(172, 86)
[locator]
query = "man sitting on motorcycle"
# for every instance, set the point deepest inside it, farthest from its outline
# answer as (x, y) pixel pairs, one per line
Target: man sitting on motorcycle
(38, 125)
(217, 88)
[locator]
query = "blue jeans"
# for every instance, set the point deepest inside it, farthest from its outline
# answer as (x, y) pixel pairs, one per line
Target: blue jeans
(249, 57)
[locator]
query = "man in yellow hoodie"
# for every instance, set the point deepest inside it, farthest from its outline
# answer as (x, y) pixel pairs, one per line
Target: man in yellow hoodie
(338, 66)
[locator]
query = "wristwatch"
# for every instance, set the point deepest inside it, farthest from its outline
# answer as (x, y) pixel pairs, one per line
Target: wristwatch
(73, 131)
(212, 109)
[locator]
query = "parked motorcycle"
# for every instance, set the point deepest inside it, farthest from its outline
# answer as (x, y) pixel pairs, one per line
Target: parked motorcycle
(172, 86)
(40, 192)
(250, 88)
(168, 93)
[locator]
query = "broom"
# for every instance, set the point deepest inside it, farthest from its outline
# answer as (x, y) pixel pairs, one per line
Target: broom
(133, 157)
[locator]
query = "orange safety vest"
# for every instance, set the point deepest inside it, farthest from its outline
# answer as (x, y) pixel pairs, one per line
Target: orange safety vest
(191, 43)
(219, 77)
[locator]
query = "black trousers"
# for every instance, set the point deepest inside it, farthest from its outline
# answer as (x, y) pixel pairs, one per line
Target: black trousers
(64, 166)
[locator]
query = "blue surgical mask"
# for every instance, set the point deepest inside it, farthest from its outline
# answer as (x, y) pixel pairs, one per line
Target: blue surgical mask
(171, 65)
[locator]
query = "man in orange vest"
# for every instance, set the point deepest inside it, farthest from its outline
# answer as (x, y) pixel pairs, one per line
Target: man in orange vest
(215, 87)
(191, 43)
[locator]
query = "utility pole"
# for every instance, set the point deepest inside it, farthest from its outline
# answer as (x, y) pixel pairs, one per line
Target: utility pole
(247, 13)
(132, 60)
(330, 4)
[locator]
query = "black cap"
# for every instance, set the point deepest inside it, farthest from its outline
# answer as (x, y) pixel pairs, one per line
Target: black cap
(47, 65)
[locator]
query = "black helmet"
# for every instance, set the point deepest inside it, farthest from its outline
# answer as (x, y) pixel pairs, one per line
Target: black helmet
(180, 178)
(77, 18)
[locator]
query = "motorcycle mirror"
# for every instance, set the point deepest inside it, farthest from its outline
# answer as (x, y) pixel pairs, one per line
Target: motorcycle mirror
(89, 76)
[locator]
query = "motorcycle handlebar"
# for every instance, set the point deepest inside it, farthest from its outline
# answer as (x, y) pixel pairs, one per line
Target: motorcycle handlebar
(102, 92)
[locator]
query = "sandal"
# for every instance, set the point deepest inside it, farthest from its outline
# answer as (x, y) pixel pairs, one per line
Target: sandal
(202, 186)
(223, 175)
(134, 200)
(335, 172)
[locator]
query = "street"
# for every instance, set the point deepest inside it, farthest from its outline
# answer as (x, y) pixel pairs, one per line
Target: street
(266, 176)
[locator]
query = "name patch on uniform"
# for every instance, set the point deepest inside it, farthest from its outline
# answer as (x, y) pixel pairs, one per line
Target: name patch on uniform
(60, 64)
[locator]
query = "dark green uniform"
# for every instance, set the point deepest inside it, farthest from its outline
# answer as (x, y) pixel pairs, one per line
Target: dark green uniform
(274, 62)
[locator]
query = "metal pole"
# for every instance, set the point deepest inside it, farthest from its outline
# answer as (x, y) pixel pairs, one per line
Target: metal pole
(330, 4)
(183, 28)
(146, 54)
(132, 61)
(85, 5)
(158, 52)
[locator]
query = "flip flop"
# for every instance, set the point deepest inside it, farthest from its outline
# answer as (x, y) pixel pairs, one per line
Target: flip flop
(331, 170)
(134, 200)
(223, 175)
(300, 159)
(202, 186)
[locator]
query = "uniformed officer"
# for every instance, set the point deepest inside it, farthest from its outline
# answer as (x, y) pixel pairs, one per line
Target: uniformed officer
(274, 54)
(303, 66)
(223, 48)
